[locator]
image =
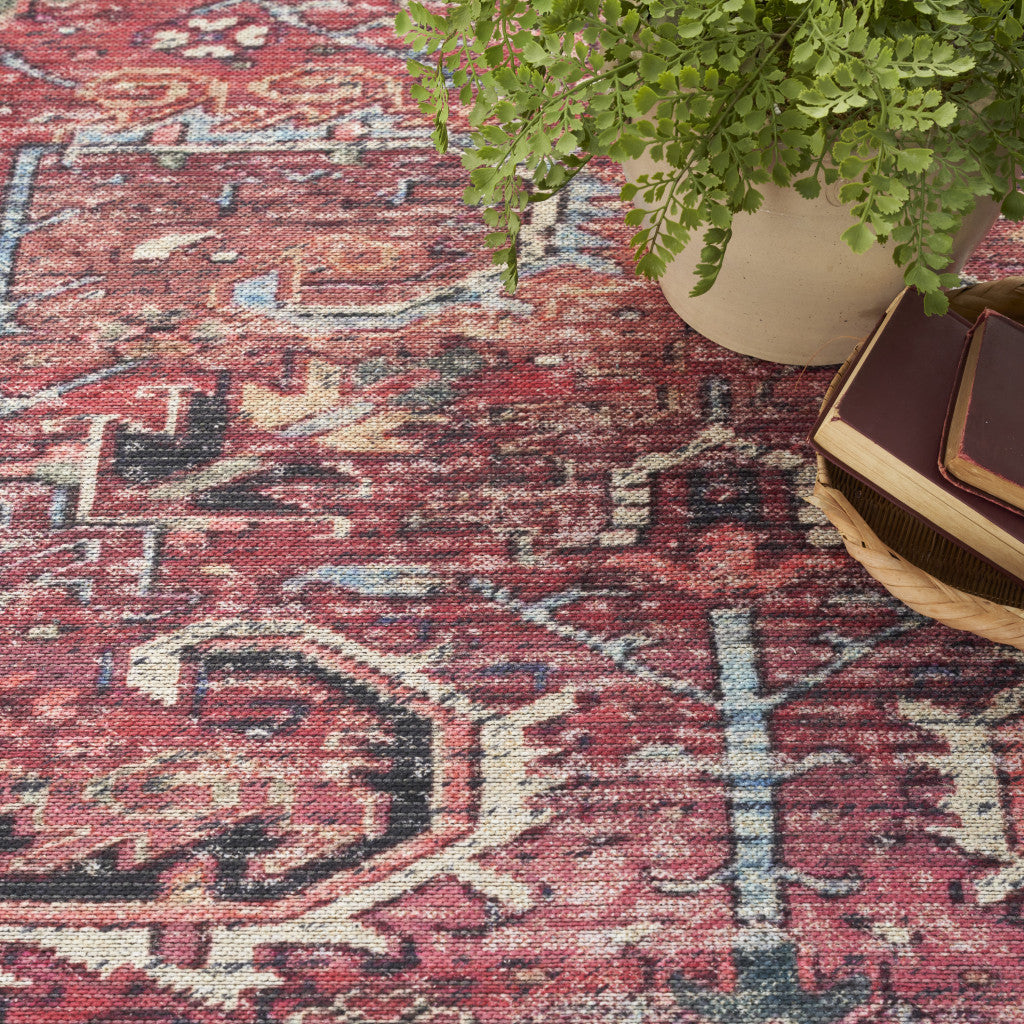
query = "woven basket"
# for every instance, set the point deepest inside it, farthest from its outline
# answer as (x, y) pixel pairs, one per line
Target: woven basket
(914, 562)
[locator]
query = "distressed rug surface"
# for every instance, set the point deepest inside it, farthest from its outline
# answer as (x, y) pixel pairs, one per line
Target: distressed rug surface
(381, 648)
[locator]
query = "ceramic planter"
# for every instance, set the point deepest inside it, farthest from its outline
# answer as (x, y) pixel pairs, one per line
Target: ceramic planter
(790, 290)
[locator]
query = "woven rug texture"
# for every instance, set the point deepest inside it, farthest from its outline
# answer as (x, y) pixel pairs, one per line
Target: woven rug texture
(380, 648)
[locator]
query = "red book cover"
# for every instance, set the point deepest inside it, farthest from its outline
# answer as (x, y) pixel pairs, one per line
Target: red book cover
(983, 449)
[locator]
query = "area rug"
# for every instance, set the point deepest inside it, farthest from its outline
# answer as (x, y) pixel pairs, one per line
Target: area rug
(379, 647)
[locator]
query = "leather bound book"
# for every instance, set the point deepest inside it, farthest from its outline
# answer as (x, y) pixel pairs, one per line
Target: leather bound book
(885, 426)
(984, 446)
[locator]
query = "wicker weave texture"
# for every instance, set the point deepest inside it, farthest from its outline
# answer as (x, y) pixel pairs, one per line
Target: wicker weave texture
(913, 586)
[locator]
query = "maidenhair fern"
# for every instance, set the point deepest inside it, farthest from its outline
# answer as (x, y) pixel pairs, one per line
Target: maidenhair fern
(915, 106)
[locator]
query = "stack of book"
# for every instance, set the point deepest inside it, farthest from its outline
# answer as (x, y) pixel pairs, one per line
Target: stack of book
(926, 424)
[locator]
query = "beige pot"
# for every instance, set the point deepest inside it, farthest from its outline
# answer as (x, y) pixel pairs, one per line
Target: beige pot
(790, 289)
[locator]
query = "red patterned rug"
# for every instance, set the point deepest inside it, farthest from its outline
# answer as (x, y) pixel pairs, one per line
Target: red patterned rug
(380, 648)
